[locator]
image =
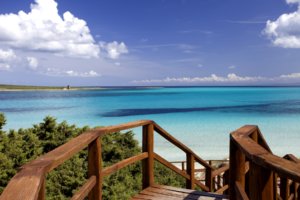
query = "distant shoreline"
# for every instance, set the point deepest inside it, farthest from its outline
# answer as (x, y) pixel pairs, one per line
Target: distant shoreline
(6, 88)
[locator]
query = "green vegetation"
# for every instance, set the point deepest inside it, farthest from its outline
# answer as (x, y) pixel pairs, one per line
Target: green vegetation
(28, 87)
(20, 146)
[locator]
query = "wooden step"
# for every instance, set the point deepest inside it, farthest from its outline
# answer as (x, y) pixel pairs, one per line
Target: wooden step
(172, 193)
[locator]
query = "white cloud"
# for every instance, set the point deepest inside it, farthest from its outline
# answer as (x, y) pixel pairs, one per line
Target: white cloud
(232, 67)
(212, 78)
(4, 67)
(32, 63)
(290, 76)
(43, 29)
(6, 58)
(73, 73)
(285, 31)
(114, 49)
(7, 55)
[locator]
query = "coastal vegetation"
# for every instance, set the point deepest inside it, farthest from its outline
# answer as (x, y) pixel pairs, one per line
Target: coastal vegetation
(18, 147)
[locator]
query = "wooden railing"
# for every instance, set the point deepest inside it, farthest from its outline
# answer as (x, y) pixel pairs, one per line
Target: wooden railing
(29, 182)
(220, 175)
(257, 174)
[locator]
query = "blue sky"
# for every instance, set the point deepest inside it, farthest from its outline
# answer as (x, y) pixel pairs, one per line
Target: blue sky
(157, 42)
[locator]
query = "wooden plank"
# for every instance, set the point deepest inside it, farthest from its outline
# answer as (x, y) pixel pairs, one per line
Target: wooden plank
(222, 189)
(148, 164)
(94, 168)
(220, 170)
(172, 194)
(209, 179)
(201, 185)
(181, 146)
(85, 189)
(171, 166)
(188, 191)
(112, 169)
(240, 192)
(190, 169)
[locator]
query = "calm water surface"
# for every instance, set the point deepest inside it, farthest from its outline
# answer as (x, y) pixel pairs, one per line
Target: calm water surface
(201, 117)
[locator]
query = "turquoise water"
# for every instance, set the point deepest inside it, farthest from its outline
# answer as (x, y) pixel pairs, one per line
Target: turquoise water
(201, 117)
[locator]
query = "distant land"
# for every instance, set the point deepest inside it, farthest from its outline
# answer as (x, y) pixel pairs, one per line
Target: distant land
(4, 87)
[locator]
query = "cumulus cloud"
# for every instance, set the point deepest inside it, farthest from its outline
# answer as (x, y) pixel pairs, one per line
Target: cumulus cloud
(72, 73)
(285, 30)
(212, 78)
(32, 62)
(6, 57)
(114, 49)
(43, 29)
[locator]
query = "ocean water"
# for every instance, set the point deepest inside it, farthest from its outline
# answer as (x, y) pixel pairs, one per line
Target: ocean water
(200, 117)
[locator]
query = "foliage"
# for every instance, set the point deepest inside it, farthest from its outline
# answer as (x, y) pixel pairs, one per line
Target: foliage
(20, 146)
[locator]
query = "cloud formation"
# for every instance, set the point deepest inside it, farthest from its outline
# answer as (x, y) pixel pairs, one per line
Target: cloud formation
(212, 78)
(114, 49)
(71, 73)
(43, 29)
(32, 63)
(6, 57)
(285, 31)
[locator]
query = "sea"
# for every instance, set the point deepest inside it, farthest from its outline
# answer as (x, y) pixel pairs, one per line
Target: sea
(200, 117)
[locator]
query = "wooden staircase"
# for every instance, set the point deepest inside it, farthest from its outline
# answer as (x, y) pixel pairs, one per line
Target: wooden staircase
(254, 172)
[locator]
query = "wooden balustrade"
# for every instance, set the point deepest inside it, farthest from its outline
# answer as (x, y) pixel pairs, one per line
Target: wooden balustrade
(255, 173)
(29, 182)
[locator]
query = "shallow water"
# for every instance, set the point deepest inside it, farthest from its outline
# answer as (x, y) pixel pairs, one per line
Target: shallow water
(201, 117)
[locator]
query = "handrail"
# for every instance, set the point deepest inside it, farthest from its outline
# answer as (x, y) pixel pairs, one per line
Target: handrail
(29, 182)
(260, 181)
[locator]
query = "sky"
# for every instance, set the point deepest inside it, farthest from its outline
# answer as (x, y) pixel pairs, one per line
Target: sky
(143, 42)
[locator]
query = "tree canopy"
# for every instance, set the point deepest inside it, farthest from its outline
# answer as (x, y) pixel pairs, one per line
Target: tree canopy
(17, 147)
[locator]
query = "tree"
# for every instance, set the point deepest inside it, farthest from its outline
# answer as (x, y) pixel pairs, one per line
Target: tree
(20, 146)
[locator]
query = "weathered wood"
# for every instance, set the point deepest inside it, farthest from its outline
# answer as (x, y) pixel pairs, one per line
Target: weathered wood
(18, 187)
(190, 169)
(220, 170)
(261, 183)
(181, 146)
(148, 164)
(209, 179)
(240, 192)
(284, 188)
(42, 192)
(85, 189)
(171, 166)
(112, 169)
(94, 168)
(237, 168)
(222, 189)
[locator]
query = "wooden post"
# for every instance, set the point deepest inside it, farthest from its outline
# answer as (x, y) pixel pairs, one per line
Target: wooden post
(261, 183)
(190, 169)
(226, 180)
(209, 179)
(236, 169)
(182, 165)
(94, 168)
(148, 164)
(284, 188)
(42, 192)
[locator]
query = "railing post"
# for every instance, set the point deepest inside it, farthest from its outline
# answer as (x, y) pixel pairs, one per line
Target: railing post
(148, 164)
(209, 179)
(94, 168)
(236, 168)
(260, 183)
(190, 169)
(284, 188)
(42, 192)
